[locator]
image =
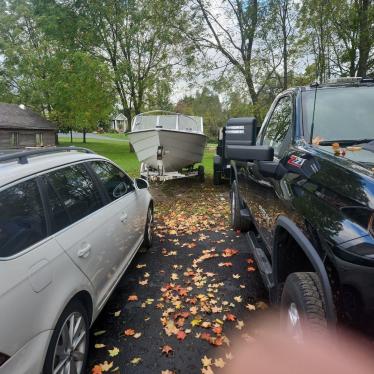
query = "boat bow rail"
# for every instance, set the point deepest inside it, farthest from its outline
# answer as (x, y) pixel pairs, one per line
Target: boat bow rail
(167, 121)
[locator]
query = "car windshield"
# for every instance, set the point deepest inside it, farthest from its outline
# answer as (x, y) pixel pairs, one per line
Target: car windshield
(340, 113)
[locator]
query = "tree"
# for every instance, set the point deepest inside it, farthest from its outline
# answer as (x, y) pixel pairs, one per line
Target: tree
(134, 38)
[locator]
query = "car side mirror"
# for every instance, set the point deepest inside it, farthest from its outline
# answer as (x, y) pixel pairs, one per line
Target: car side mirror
(141, 183)
(249, 152)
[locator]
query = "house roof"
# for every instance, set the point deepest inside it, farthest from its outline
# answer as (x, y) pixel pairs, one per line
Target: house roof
(13, 116)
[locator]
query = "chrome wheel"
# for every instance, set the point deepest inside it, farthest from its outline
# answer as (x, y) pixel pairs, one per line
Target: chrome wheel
(294, 322)
(71, 346)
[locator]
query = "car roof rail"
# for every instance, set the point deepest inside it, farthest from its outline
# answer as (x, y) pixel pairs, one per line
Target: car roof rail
(22, 156)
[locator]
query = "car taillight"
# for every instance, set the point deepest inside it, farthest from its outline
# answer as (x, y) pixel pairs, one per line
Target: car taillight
(3, 358)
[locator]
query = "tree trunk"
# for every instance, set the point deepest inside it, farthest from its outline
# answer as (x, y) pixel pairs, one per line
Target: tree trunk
(84, 136)
(364, 38)
(71, 136)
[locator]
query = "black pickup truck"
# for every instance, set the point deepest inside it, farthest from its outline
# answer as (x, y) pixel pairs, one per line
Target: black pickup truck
(303, 191)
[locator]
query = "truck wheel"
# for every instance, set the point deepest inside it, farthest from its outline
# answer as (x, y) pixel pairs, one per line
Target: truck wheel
(201, 173)
(302, 305)
(217, 178)
(237, 222)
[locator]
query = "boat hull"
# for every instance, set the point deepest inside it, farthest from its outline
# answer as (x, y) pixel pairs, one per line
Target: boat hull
(179, 149)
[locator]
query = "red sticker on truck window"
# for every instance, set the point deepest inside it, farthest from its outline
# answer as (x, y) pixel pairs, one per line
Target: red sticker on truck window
(296, 161)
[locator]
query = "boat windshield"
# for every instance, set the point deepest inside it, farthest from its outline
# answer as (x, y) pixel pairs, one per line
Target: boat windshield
(173, 121)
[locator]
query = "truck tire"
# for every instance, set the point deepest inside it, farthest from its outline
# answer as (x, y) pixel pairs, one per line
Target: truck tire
(217, 178)
(237, 222)
(302, 305)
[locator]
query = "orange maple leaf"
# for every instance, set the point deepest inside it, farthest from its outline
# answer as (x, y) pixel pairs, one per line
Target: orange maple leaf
(129, 332)
(217, 330)
(132, 298)
(228, 252)
(251, 268)
(230, 317)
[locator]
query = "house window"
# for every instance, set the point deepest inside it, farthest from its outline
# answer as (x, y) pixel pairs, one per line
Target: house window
(14, 139)
(39, 139)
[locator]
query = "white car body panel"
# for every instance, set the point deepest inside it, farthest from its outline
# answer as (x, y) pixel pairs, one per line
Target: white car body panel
(37, 284)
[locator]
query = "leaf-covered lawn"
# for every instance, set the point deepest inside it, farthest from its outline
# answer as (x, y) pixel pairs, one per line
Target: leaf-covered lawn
(180, 306)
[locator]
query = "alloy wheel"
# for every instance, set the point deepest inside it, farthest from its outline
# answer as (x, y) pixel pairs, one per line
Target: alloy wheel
(71, 346)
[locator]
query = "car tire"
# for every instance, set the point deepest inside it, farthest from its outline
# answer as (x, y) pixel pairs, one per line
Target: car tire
(302, 305)
(148, 231)
(237, 222)
(60, 350)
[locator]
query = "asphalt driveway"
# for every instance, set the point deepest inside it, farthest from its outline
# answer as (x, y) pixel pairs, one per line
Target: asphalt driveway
(181, 304)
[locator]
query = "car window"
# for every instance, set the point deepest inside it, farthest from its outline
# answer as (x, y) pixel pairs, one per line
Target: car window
(22, 220)
(279, 124)
(77, 191)
(60, 217)
(115, 181)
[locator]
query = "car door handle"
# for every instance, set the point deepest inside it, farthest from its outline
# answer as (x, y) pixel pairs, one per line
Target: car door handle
(84, 251)
(123, 217)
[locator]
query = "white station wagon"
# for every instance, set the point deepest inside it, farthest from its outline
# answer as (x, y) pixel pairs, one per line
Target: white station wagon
(70, 223)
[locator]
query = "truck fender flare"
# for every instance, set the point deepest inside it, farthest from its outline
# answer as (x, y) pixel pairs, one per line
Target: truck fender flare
(314, 258)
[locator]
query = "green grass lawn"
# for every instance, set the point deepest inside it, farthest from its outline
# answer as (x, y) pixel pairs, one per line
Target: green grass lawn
(119, 152)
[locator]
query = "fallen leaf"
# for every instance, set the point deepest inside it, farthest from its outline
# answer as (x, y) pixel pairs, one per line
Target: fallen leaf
(106, 366)
(166, 349)
(219, 363)
(206, 361)
(96, 369)
(228, 252)
(143, 282)
(136, 360)
(251, 268)
(225, 264)
(207, 370)
(99, 345)
(261, 305)
(117, 313)
(98, 333)
(238, 299)
(113, 352)
(129, 332)
(137, 335)
(239, 325)
(140, 266)
(167, 372)
(230, 317)
(229, 356)
(250, 307)
(217, 330)
(132, 298)
(236, 276)
(181, 335)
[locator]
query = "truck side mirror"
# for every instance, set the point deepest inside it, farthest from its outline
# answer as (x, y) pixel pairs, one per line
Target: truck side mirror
(240, 132)
(250, 153)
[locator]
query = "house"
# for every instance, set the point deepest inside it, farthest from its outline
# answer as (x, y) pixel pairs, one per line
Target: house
(119, 123)
(21, 127)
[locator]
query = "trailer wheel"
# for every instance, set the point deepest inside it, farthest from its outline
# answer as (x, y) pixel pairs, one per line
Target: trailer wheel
(201, 173)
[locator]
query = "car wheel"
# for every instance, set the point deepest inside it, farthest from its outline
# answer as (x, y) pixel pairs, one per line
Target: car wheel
(68, 349)
(302, 305)
(148, 231)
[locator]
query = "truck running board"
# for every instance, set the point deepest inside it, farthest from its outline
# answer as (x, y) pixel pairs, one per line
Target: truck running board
(261, 260)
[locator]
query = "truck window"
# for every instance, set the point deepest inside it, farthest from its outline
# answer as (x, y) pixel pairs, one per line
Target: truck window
(279, 124)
